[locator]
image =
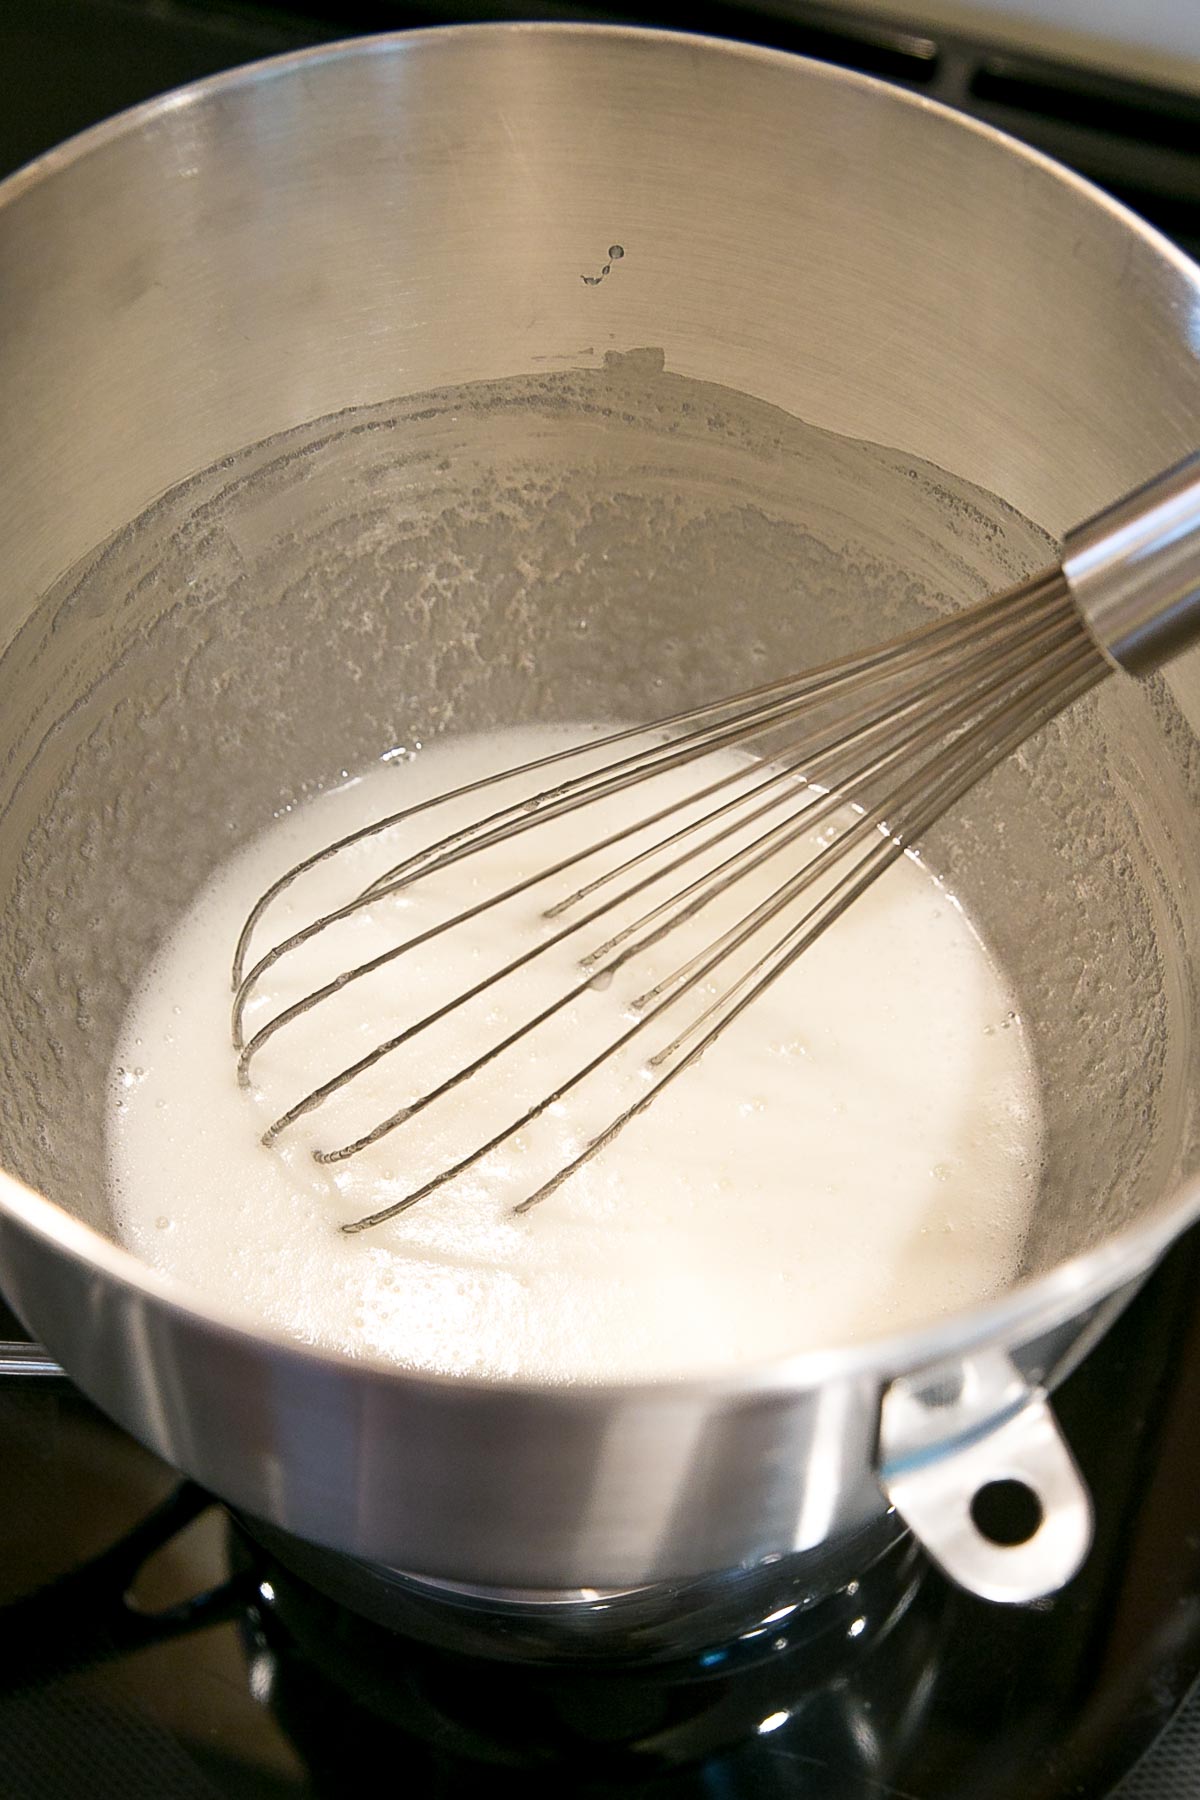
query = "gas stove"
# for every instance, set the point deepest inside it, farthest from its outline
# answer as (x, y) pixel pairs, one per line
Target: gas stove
(153, 1645)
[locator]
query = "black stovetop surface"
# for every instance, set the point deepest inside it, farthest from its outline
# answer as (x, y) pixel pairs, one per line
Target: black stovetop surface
(225, 1681)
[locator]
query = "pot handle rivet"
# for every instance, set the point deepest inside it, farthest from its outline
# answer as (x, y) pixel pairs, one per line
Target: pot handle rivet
(948, 1440)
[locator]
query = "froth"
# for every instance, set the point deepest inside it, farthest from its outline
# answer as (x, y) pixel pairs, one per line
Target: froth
(858, 1152)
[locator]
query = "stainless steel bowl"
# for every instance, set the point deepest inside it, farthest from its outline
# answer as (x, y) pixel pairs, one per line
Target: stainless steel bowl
(289, 354)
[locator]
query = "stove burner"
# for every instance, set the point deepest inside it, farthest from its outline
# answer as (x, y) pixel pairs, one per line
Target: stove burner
(854, 1670)
(733, 1618)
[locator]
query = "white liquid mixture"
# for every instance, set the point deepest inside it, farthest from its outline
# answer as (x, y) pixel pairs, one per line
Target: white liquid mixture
(857, 1152)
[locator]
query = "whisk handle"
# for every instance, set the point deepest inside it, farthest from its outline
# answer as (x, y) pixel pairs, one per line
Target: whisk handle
(1134, 570)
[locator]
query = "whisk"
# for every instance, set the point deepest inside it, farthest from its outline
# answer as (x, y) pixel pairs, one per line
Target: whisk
(859, 758)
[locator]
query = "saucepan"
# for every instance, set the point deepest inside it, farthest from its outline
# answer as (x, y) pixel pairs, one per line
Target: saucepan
(339, 391)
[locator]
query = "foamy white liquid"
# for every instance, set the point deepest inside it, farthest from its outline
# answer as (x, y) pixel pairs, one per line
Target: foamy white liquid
(857, 1152)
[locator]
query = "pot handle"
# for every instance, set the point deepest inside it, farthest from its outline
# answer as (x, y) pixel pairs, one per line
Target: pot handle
(949, 1435)
(26, 1359)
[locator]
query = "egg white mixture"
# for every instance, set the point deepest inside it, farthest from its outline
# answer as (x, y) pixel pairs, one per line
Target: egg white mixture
(857, 1152)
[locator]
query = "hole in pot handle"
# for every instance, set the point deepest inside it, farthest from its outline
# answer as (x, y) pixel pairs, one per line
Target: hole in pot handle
(945, 1438)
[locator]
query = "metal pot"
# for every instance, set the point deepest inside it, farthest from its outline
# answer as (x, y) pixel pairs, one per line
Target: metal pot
(689, 335)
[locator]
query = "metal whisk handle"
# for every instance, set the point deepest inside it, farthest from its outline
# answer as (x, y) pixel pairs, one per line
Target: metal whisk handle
(1134, 570)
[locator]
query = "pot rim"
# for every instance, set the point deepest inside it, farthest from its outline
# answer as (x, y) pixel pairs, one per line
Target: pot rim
(1022, 1312)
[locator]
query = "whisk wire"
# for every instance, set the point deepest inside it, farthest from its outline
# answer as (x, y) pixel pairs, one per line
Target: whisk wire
(852, 890)
(751, 713)
(543, 808)
(861, 758)
(677, 908)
